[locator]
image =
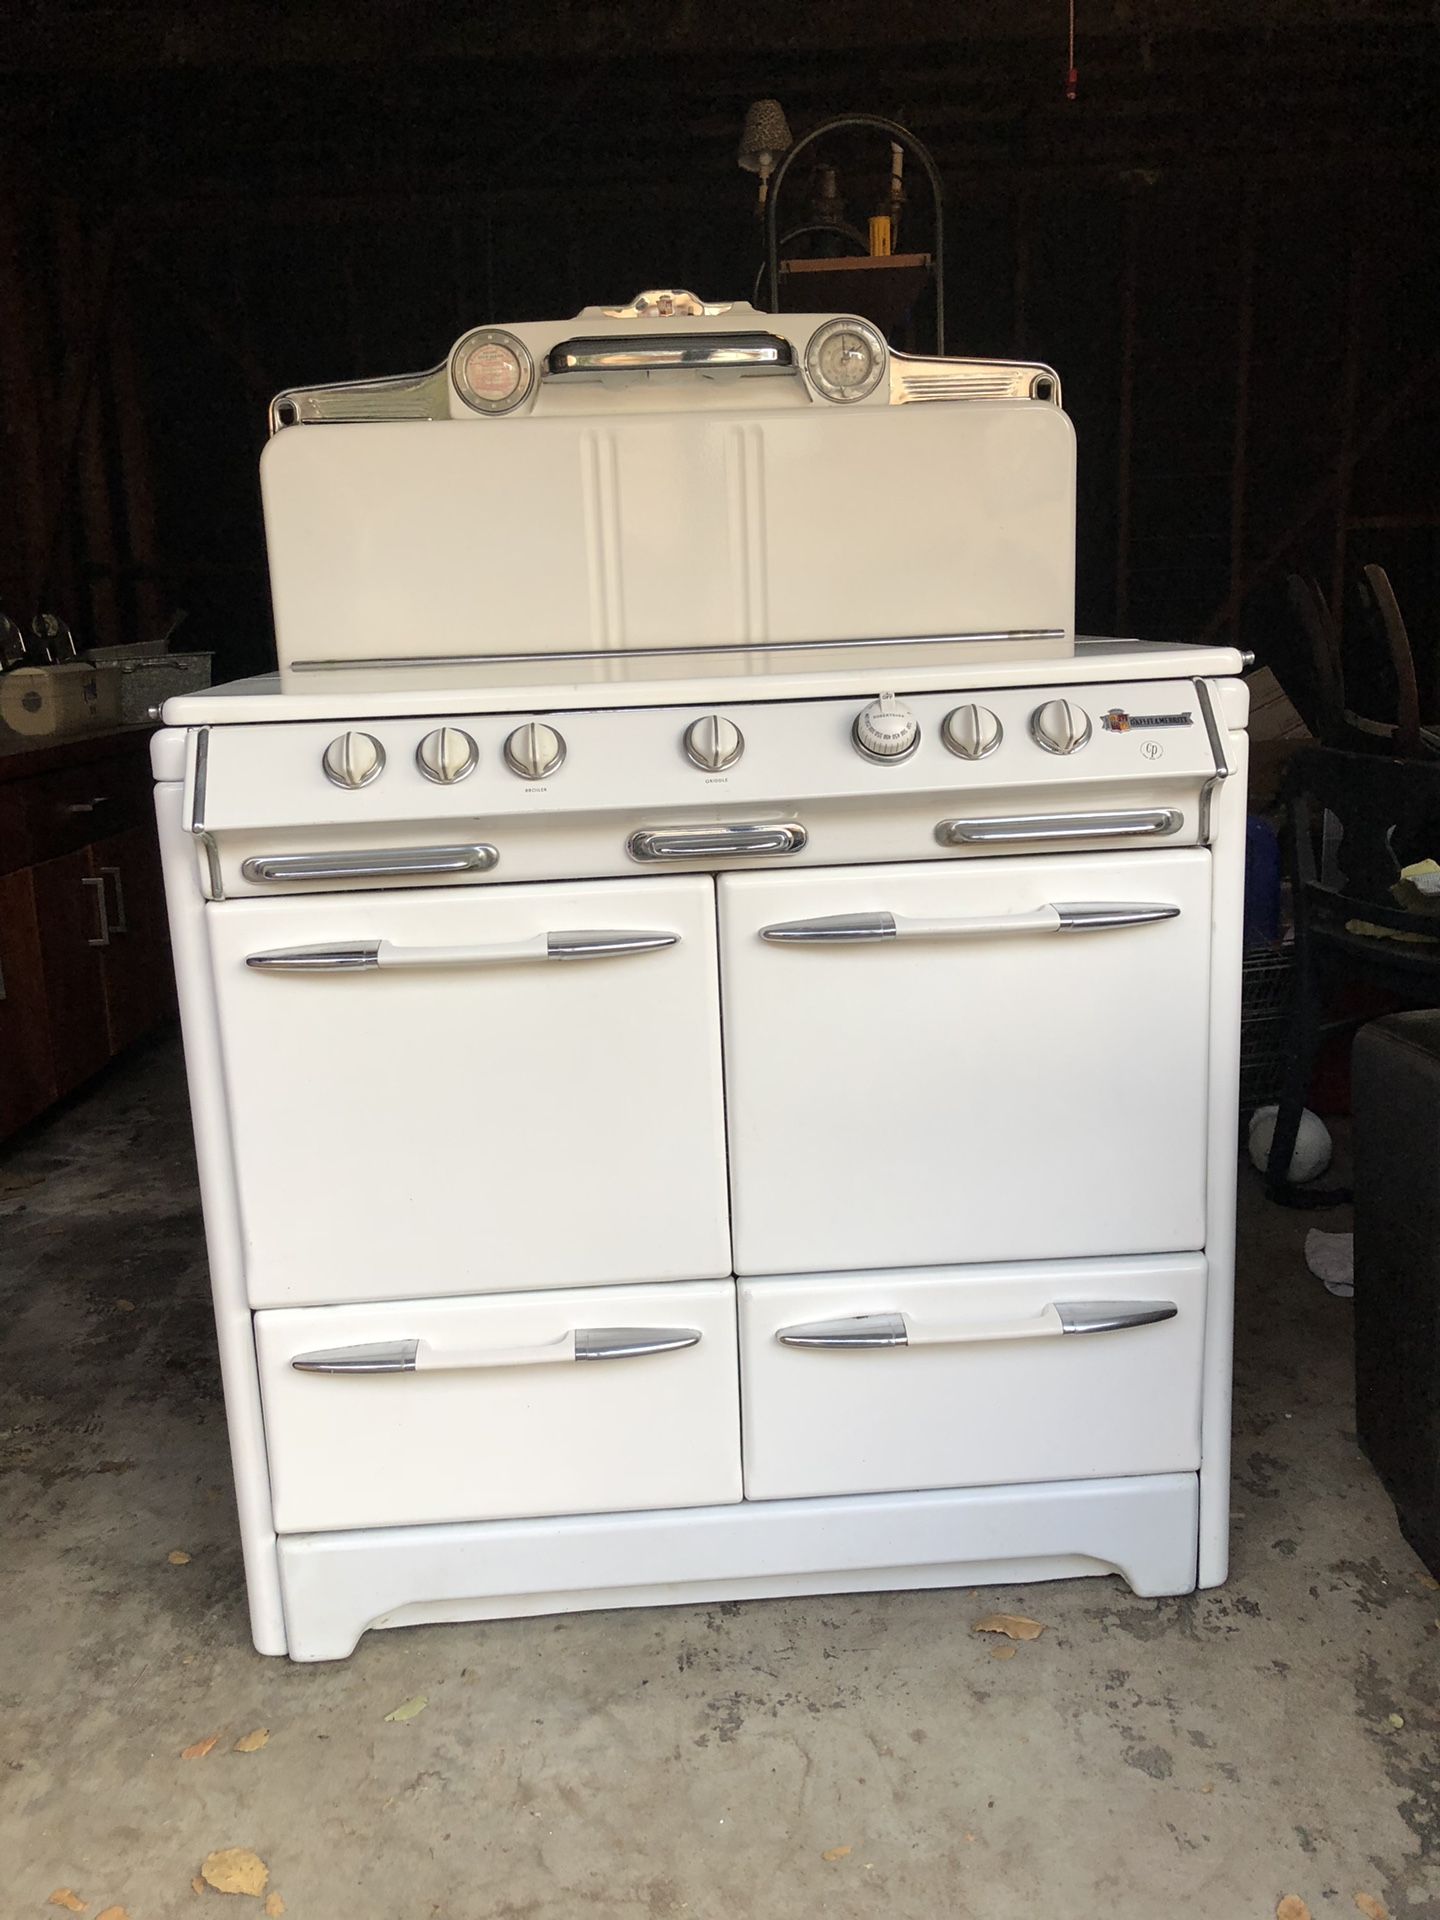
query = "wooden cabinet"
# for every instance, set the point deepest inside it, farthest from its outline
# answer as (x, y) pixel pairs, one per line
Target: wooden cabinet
(27, 1074)
(84, 943)
(70, 908)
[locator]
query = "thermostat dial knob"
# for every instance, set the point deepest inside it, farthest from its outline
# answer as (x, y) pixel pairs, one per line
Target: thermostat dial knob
(713, 743)
(886, 730)
(534, 750)
(972, 732)
(354, 760)
(1060, 727)
(446, 755)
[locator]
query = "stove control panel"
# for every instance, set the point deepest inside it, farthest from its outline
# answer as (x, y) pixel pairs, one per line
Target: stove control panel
(570, 793)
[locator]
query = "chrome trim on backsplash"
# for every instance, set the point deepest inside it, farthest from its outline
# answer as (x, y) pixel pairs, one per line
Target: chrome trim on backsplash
(666, 653)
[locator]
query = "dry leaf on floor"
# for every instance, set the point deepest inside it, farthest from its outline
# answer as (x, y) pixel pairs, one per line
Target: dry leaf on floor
(251, 1742)
(68, 1898)
(1292, 1907)
(122, 1306)
(835, 1853)
(200, 1748)
(409, 1710)
(1014, 1625)
(113, 1913)
(1372, 1908)
(274, 1907)
(178, 1558)
(197, 1885)
(235, 1870)
(1003, 1653)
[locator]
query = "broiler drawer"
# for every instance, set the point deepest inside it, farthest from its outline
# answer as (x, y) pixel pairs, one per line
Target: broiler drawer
(971, 1377)
(588, 1401)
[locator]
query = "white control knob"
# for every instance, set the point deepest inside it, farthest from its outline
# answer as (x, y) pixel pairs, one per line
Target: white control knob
(886, 730)
(713, 743)
(1060, 727)
(972, 732)
(534, 750)
(354, 760)
(446, 755)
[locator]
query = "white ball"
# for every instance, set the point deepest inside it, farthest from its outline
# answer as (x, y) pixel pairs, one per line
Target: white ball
(1313, 1145)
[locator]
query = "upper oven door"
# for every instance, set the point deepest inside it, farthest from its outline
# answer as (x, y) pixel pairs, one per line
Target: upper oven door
(934, 1065)
(473, 1090)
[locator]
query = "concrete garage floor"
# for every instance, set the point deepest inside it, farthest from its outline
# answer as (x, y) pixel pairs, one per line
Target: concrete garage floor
(839, 1756)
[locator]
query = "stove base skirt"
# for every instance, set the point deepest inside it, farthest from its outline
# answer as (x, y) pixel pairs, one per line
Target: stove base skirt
(336, 1586)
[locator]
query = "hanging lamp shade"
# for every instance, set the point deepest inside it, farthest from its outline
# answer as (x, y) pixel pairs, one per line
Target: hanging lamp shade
(765, 137)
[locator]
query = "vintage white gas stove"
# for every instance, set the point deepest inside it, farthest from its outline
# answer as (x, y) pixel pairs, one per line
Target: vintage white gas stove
(711, 1020)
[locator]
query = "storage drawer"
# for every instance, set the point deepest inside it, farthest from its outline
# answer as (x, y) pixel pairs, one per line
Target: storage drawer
(49, 814)
(887, 1382)
(494, 1408)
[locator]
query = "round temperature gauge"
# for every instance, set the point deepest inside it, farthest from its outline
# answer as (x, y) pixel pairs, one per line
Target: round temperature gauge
(845, 359)
(493, 370)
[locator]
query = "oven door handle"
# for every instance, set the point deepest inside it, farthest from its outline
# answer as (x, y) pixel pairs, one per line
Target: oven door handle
(1070, 916)
(869, 1330)
(363, 956)
(418, 1356)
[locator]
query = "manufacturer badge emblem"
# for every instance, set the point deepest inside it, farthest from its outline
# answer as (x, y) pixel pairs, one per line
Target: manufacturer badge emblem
(1117, 720)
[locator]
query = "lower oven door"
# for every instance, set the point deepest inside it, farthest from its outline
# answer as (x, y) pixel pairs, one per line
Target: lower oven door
(473, 1090)
(435, 1410)
(884, 1382)
(1005, 1059)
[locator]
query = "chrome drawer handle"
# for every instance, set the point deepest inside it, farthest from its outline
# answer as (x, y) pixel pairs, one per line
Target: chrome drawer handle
(360, 956)
(716, 843)
(865, 1330)
(386, 864)
(1128, 823)
(418, 1356)
(1073, 916)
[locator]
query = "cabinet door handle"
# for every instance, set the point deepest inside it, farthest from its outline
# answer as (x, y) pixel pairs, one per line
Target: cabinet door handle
(97, 880)
(1059, 1318)
(120, 924)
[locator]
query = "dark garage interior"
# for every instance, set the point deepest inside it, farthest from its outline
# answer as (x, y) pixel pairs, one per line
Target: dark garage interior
(1217, 224)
